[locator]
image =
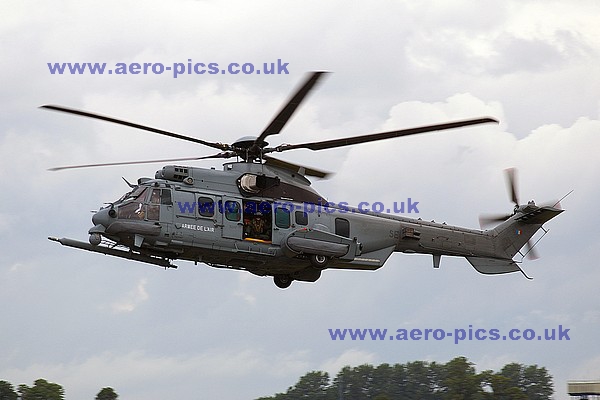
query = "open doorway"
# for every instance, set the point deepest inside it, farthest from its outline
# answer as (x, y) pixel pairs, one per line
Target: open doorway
(257, 220)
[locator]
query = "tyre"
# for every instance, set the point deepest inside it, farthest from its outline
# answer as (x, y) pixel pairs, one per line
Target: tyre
(282, 281)
(318, 261)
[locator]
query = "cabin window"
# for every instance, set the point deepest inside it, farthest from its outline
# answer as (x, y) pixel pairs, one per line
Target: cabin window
(165, 197)
(342, 227)
(206, 207)
(301, 217)
(282, 217)
(232, 211)
(257, 220)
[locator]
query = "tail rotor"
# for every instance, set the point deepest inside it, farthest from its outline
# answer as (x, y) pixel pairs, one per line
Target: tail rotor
(487, 220)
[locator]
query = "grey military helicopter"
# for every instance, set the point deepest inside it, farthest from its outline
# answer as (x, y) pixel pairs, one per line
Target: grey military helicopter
(261, 215)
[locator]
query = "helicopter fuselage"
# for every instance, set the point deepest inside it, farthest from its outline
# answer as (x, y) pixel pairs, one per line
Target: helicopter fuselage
(268, 221)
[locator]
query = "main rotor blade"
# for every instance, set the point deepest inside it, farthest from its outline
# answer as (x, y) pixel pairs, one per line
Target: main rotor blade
(219, 155)
(296, 168)
(290, 107)
(511, 181)
(219, 146)
(329, 144)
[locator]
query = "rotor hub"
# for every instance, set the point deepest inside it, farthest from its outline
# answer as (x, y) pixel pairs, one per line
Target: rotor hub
(247, 142)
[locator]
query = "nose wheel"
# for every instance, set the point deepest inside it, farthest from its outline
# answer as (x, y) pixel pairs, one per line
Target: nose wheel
(95, 239)
(282, 281)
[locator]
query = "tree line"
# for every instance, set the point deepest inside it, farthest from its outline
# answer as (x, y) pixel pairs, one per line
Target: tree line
(44, 390)
(455, 380)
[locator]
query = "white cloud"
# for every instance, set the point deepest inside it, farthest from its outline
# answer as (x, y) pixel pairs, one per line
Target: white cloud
(133, 299)
(7, 222)
(351, 357)
(591, 316)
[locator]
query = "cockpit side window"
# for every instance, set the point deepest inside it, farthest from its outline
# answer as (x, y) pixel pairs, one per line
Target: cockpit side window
(153, 209)
(134, 207)
(132, 210)
(134, 194)
(155, 196)
(138, 193)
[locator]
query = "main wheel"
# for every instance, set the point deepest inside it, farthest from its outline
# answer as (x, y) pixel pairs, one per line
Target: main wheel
(282, 281)
(318, 261)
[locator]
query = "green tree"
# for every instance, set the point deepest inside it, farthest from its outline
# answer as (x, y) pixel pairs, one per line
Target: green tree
(503, 388)
(340, 383)
(436, 373)
(356, 383)
(514, 373)
(313, 385)
(460, 382)
(107, 393)
(361, 384)
(537, 383)
(420, 383)
(399, 381)
(455, 380)
(42, 390)
(389, 381)
(516, 381)
(381, 397)
(23, 389)
(485, 379)
(7, 392)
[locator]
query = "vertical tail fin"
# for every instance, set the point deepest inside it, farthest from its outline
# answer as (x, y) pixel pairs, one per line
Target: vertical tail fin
(512, 235)
(509, 238)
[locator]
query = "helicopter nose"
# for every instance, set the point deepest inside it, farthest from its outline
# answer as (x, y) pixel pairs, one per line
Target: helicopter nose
(103, 217)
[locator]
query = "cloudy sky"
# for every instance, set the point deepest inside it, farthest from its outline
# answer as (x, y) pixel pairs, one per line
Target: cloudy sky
(88, 321)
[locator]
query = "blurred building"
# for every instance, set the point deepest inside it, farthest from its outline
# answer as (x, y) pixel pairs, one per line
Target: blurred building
(584, 389)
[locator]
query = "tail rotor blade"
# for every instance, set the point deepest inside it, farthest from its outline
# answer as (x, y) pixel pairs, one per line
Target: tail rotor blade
(556, 203)
(552, 203)
(512, 185)
(489, 220)
(531, 252)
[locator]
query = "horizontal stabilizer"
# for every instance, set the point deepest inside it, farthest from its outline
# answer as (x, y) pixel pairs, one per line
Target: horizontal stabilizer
(492, 266)
(540, 215)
